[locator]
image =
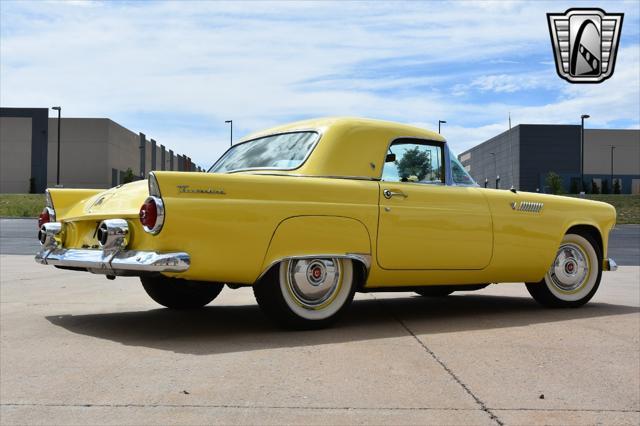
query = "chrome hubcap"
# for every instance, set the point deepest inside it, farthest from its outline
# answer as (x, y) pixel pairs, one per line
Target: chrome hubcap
(570, 269)
(313, 281)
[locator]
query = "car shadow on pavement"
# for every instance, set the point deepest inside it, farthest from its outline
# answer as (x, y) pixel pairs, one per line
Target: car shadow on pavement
(224, 329)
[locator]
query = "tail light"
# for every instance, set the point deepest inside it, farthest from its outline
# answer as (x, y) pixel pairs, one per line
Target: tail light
(45, 217)
(48, 213)
(152, 210)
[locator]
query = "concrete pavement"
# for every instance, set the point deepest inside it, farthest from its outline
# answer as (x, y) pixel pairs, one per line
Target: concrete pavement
(78, 349)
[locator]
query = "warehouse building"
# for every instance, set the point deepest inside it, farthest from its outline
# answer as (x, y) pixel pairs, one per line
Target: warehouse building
(523, 156)
(94, 152)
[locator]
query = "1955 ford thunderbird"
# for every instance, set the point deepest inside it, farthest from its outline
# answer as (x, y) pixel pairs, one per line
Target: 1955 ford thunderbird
(311, 212)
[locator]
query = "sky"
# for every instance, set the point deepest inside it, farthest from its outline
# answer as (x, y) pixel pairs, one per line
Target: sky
(177, 70)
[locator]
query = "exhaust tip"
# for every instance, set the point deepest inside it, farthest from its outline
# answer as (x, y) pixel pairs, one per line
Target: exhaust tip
(50, 234)
(113, 234)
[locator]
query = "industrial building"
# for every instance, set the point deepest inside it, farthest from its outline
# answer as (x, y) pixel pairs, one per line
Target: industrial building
(523, 156)
(94, 152)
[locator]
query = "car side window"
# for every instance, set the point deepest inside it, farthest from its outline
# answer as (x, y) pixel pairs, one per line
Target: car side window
(414, 161)
(459, 174)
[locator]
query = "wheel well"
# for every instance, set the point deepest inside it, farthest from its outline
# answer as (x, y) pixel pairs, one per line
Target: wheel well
(588, 231)
(360, 274)
(359, 270)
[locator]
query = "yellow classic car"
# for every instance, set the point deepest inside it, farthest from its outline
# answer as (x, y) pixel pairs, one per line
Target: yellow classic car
(311, 212)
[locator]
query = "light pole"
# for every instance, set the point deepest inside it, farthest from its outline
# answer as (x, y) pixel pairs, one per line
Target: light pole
(611, 179)
(495, 167)
(59, 109)
(582, 118)
(439, 123)
(231, 131)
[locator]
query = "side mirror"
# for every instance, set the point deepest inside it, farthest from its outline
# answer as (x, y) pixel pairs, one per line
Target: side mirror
(390, 158)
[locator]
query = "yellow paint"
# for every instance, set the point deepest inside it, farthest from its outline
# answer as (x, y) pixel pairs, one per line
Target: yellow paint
(437, 235)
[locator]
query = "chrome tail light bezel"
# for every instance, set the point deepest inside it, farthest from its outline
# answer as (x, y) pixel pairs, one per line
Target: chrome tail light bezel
(159, 215)
(156, 198)
(48, 208)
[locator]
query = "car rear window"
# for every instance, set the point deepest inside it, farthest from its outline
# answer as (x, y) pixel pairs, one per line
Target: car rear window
(285, 151)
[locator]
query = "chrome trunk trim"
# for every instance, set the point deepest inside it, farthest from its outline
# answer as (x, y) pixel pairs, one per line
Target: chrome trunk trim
(119, 262)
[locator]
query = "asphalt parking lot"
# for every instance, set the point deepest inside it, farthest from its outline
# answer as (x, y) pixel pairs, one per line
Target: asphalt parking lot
(77, 349)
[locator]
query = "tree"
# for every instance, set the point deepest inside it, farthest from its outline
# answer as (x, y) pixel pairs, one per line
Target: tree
(414, 162)
(594, 187)
(554, 182)
(585, 188)
(605, 186)
(128, 176)
(574, 186)
(616, 187)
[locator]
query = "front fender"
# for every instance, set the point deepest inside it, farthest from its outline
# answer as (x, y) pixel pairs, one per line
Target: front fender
(317, 235)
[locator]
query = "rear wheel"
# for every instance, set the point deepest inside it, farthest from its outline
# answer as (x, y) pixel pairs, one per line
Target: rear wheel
(435, 291)
(175, 293)
(307, 293)
(574, 276)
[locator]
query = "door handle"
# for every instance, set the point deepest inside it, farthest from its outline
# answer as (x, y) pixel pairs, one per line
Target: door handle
(388, 194)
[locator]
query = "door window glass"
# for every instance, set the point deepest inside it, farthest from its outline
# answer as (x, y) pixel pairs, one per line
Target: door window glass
(414, 161)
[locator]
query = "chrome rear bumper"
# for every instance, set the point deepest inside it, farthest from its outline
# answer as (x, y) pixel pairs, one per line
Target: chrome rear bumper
(610, 265)
(120, 262)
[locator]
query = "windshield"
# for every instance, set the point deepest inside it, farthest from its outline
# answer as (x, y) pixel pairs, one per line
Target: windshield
(284, 151)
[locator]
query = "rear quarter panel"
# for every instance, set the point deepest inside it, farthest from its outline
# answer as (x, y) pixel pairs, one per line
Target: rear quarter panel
(229, 234)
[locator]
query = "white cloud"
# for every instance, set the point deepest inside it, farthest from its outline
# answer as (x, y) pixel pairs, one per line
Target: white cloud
(262, 63)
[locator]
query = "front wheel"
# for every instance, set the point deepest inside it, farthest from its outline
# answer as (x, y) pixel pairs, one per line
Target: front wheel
(574, 275)
(307, 293)
(176, 293)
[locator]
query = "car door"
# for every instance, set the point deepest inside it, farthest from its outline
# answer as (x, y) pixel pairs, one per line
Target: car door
(423, 223)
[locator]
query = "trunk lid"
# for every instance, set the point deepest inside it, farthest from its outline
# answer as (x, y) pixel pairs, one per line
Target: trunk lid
(122, 201)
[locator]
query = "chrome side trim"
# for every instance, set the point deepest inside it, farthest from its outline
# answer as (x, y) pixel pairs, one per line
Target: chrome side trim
(610, 265)
(125, 262)
(364, 258)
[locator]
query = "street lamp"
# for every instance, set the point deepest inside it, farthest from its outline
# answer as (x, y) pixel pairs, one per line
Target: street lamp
(59, 109)
(495, 167)
(231, 133)
(439, 123)
(611, 180)
(582, 118)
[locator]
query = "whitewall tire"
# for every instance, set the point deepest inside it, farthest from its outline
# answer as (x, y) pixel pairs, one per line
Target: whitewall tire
(307, 293)
(574, 276)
